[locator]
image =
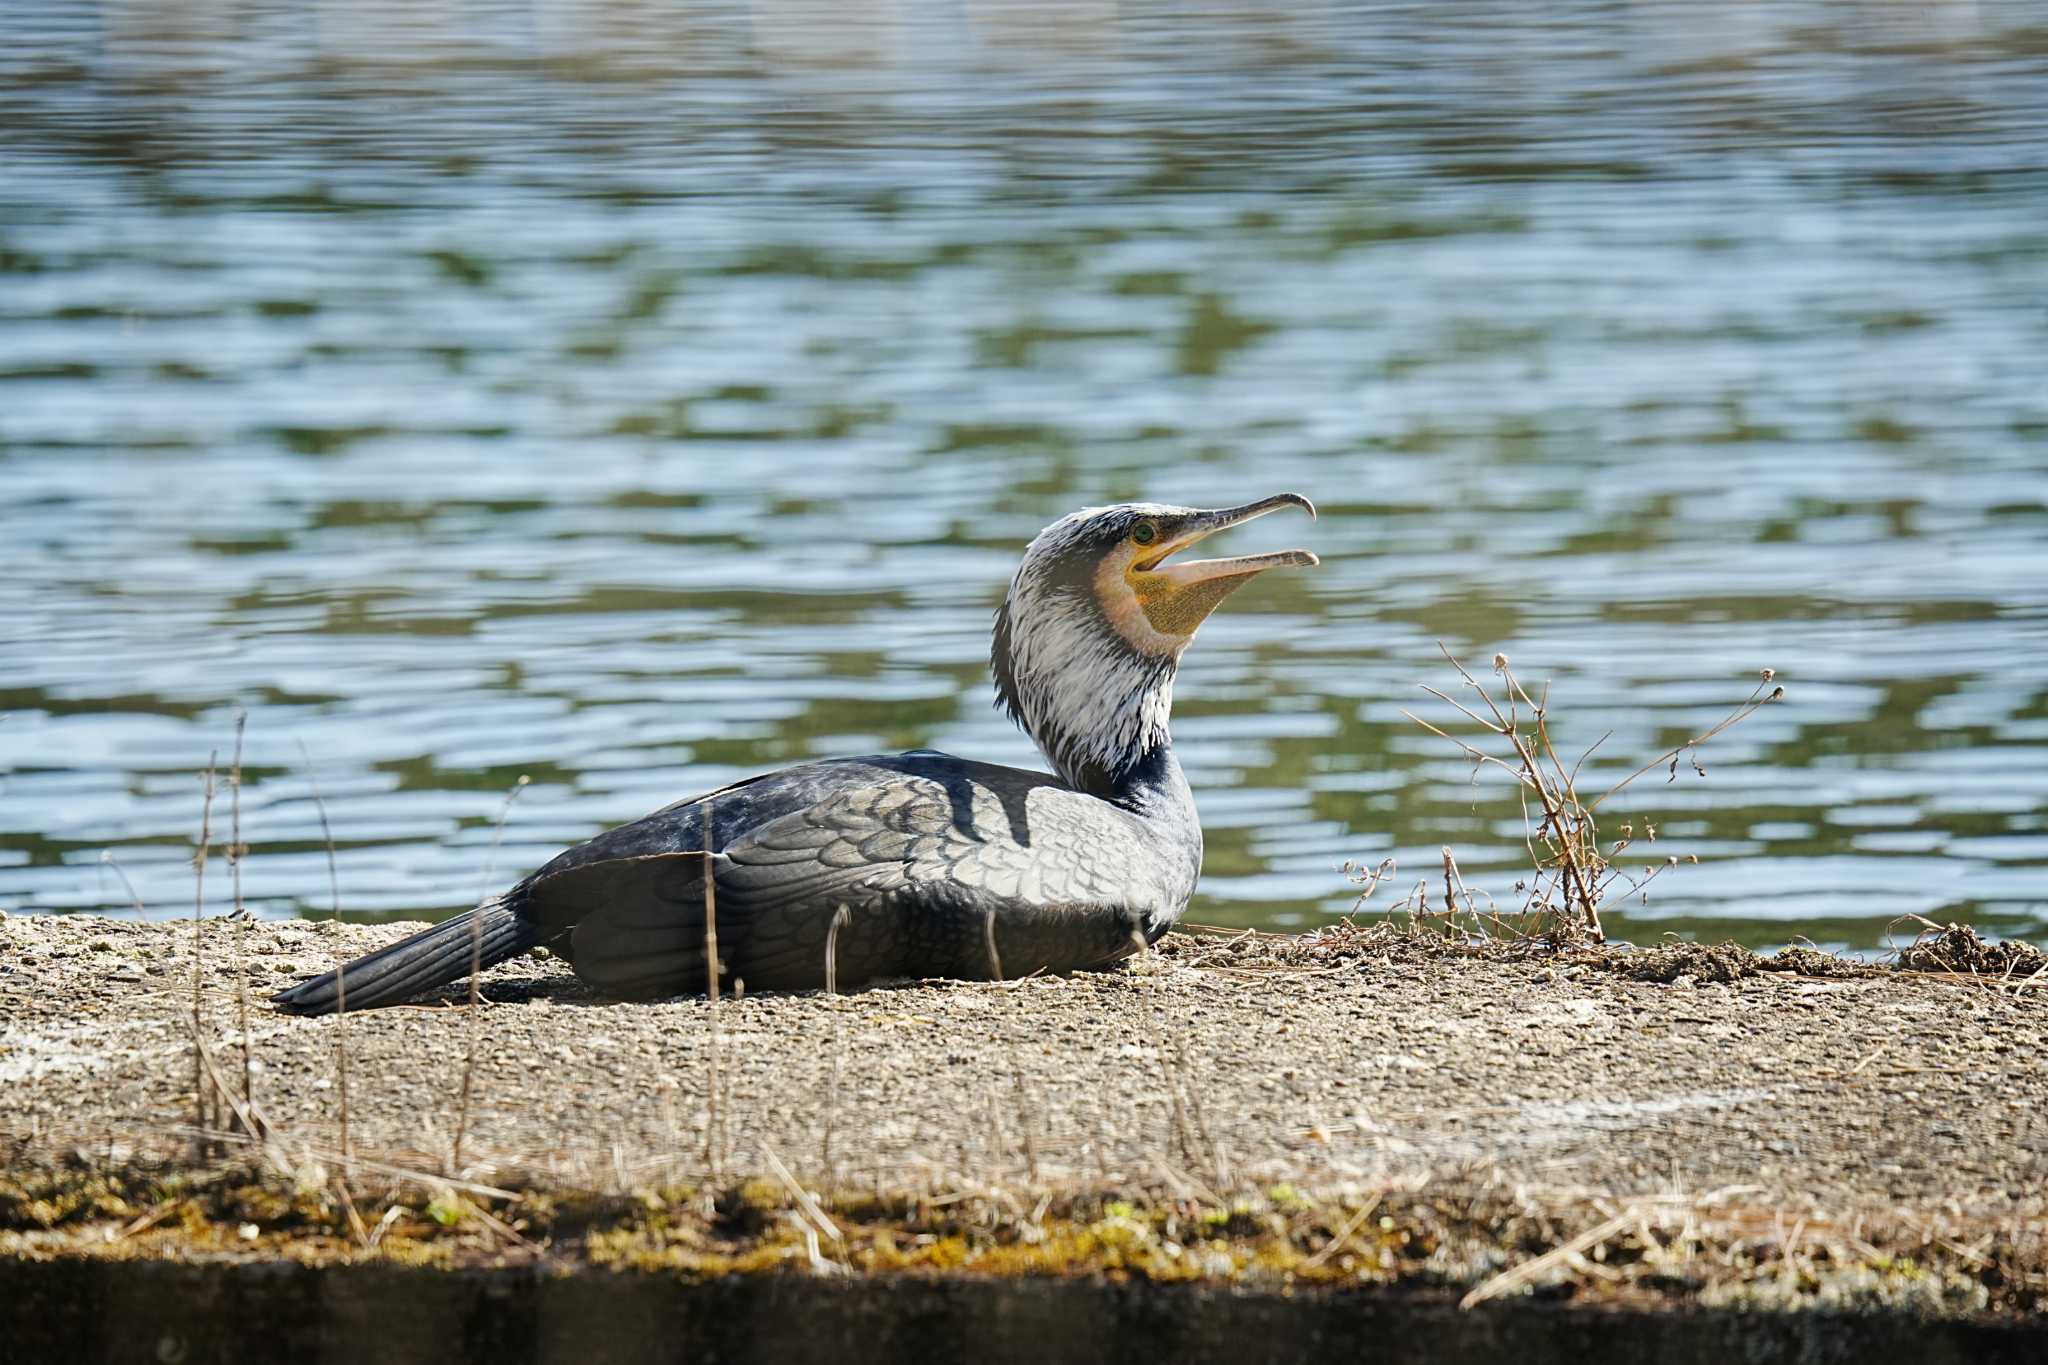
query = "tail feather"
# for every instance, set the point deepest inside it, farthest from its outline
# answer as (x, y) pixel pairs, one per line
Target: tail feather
(433, 957)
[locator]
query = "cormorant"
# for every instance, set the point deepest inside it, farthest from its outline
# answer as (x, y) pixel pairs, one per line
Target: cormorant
(945, 867)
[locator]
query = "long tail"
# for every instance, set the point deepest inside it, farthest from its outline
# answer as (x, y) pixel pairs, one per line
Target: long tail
(433, 957)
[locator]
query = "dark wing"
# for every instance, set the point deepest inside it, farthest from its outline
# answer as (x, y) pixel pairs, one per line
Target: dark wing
(923, 865)
(649, 917)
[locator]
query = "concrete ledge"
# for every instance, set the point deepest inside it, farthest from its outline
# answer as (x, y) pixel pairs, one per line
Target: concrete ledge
(163, 1312)
(1295, 1141)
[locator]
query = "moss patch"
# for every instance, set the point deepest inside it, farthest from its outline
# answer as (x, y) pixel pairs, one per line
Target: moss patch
(1661, 1252)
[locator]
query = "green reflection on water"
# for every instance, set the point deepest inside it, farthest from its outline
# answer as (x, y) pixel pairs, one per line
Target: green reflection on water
(664, 439)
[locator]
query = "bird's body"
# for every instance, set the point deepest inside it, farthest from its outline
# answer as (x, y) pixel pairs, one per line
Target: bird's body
(929, 865)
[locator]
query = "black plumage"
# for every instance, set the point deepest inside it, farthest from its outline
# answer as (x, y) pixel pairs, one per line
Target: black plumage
(941, 866)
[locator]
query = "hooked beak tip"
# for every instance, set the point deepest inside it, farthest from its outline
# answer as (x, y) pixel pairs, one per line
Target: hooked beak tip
(1234, 515)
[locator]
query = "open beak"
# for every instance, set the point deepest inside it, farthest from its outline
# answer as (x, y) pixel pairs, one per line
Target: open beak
(1179, 597)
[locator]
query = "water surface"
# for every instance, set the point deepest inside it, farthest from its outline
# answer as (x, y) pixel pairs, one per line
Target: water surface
(635, 397)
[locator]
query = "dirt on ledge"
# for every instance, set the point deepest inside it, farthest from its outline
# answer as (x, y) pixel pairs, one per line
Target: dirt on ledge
(1684, 1124)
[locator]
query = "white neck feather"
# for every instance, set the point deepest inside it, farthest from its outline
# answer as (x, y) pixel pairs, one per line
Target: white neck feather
(1095, 700)
(1092, 706)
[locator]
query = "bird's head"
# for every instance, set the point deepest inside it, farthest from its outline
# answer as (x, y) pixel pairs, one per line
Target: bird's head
(1092, 628)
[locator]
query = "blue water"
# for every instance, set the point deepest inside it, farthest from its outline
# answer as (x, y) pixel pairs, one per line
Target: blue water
(635, 397)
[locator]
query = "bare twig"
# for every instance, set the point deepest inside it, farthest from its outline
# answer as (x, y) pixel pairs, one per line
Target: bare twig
(1755, 702)
(1565, 847)
(1499, 725)
(391, 1216)
(820, 1263)
(1369, 878)
(1572, 877)
(1476, 755)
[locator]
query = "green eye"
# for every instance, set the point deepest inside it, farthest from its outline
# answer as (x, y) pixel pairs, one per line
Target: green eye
(1144, 533)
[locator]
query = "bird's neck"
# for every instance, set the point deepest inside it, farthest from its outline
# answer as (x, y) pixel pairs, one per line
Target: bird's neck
(1106, 734)
(1153, 785)
(1142, 774)
(1097, 708)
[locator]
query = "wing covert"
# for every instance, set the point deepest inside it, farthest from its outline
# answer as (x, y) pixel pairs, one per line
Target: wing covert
(1042, 844)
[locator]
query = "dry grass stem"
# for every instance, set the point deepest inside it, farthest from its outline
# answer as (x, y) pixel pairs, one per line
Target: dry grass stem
(235, 852)
(248, 1127)
(476, 967)
(1573, 877)
(1528, 1272)
(1342, 1237)
(1027, 1111)
(841, 915)
(356, 1227)
(107, 860)
(988, 943)
(150, 1218)
(812, 1211)
(202, 1117)
(714, 1111)
(826, 1154)
(340, 957)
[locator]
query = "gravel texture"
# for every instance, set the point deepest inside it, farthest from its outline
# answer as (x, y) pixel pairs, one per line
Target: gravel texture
(1327, 1064)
